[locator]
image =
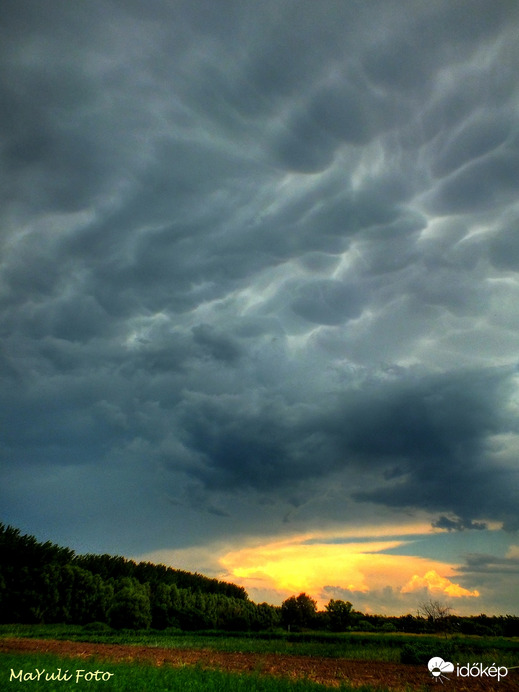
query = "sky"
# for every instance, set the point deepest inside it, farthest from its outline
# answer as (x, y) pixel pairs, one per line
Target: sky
(259, 300)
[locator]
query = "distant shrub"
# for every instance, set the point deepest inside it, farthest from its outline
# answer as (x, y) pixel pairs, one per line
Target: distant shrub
(421, 652)
(365, 626)
(172, 630)
(388, 627)
(97, 627)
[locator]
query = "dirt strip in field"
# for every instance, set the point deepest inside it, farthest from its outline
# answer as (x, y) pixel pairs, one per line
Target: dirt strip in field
(328, 671)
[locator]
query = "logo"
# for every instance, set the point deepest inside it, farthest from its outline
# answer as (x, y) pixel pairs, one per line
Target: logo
(438, 667)
(477, 670)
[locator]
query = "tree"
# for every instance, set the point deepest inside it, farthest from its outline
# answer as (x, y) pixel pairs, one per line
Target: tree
(131, 605)
(161, 606)
(339, 614)
(435, 612)
(299, 611)
(266, 616)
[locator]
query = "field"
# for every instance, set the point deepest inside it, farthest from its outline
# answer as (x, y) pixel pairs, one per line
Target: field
(270, 662)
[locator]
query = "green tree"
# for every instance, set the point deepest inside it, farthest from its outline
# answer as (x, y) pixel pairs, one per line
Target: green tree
(339, 614)
(298, 611)
(89, 595)
(161, 606)
(131, 606)
(266, 616)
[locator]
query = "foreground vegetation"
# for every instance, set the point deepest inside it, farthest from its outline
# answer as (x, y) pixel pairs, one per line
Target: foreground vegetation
(137, 677)
(388, 647)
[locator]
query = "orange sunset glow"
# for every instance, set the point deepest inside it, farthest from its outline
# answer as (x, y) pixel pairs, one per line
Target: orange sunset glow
(302, 564)
(366, 565)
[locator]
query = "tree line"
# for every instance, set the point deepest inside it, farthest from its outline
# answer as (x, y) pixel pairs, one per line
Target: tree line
(46, 583)
(300, 613)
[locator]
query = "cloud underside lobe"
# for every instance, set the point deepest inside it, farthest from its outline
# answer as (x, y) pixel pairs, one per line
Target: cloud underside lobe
(259, 268)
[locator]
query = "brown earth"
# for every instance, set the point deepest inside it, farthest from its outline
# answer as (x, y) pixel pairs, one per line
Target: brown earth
(327, 671)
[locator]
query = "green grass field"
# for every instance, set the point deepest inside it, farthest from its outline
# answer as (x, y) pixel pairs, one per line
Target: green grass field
(139, 677)
(387, 647)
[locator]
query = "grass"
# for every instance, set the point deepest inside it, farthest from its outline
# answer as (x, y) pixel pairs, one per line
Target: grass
(128, 677)
(386, 647)
(319, 644)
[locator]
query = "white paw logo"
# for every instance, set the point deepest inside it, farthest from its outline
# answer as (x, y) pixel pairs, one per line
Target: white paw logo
(438, 667)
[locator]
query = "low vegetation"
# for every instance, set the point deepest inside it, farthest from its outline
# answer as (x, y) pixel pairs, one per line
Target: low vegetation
(132, 677)
(387, 647)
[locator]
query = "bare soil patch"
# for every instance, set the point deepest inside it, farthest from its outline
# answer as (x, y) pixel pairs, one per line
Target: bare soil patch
(328, 671)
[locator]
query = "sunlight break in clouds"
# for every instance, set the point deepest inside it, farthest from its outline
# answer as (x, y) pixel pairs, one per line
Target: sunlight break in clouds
(299, 564)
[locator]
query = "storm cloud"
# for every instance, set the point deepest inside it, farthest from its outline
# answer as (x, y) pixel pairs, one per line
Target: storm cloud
(258, 267)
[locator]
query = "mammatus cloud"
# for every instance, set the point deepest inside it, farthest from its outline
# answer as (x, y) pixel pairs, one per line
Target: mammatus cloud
(258, 272)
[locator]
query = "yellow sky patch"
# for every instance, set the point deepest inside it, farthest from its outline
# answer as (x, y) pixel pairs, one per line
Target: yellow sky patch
(271, 570)
(513, 552)
(295, 565)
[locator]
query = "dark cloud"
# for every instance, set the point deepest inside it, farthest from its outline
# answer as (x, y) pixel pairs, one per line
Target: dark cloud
(480, 186)
(419, 439)
(258, 262)
(219, 346)
(458, 524)
(475, 138)
(328, 302)
(438, 432)
(489, 564)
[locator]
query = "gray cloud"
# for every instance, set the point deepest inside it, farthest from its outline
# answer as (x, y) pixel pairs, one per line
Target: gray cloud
(458, 524)
(258, 262)
(478, 562)
(327, 301)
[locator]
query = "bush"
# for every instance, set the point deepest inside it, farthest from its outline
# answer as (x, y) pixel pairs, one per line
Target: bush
(97, 627)
(365, 626)
(421, 652)
(388, 627)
